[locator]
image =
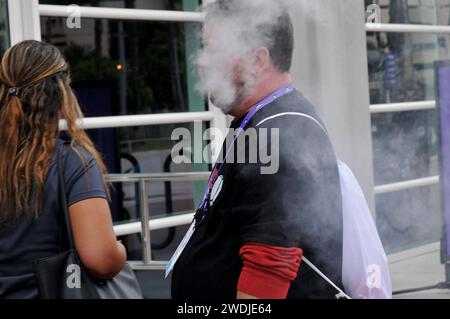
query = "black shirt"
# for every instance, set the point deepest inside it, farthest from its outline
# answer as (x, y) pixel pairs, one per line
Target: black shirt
(299, 206)
(23, 242)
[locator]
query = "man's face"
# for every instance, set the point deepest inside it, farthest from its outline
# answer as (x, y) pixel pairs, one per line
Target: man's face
(221, 67)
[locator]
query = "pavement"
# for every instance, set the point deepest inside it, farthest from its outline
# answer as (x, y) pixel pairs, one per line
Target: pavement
(418, 267)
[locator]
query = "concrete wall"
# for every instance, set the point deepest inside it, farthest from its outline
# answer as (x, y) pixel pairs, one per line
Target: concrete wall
(330, 69)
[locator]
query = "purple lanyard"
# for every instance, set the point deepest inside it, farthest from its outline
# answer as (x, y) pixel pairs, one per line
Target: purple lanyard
(253, 110)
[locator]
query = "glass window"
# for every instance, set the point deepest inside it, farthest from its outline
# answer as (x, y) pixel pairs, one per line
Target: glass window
(135, 67)
(4, 26)
(405, 144)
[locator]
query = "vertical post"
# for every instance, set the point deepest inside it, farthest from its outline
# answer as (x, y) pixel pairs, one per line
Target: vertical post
(447, 273)
(24, 20)
(196, 102)
(123, 71)
(442, 74)
(145, 218)
(4, 32)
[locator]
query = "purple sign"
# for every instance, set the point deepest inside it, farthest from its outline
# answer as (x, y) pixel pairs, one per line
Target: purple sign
(443, 90)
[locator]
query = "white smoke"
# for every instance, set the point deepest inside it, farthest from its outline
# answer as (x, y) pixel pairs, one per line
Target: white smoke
(224, 62)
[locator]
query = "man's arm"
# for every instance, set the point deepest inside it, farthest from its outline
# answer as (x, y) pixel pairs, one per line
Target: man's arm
(267, 271)
(243, 295)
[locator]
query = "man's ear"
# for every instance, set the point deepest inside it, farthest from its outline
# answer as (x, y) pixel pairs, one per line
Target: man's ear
(260, 60)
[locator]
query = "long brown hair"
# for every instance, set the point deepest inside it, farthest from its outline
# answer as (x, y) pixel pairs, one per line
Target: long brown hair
(35, 94)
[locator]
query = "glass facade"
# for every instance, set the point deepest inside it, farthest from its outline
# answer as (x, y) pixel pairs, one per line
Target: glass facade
(405, 144)
(4, 26)
(128, 68)
(134, 67)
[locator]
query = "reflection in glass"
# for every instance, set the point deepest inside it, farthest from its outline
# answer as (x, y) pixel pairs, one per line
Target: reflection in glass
(134, 67)
(4, 26)
(405, 144)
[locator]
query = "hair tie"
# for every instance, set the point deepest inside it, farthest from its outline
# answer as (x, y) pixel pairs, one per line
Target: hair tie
(13, 91)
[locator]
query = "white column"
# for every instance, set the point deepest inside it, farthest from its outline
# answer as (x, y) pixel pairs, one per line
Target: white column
(24, 20)
(330, 68)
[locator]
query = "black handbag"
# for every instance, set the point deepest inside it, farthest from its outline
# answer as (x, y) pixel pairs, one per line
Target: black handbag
(63, 276)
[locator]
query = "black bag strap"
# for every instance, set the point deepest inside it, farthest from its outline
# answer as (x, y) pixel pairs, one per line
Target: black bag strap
(63, 197)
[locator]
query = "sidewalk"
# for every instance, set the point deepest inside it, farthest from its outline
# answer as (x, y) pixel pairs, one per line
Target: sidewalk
(418, 267)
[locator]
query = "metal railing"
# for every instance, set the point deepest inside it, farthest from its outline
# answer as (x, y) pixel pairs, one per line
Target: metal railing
(122, 13)
(140, 120)
(402, 107)
(406, 28)
(395, 187)
(129, 14)
(183, 16)
(407, 106)
(146, 224)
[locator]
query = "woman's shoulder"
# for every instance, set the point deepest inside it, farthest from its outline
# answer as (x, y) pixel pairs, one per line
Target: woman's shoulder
(73, 153)
(69, 147)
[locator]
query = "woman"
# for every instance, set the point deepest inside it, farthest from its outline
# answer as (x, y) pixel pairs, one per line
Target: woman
(35, 94)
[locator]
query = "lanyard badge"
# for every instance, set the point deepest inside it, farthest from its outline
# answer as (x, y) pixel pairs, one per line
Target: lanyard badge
(198, 219)
(180, 249)
(205, 204)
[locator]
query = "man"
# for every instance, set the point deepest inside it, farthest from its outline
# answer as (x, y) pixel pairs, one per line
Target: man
(252, 229)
